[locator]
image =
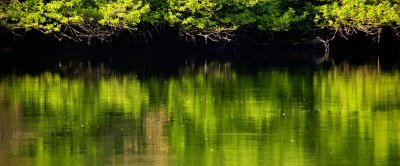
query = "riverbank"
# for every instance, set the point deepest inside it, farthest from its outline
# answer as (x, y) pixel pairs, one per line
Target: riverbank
(36, 52)
(249, 39)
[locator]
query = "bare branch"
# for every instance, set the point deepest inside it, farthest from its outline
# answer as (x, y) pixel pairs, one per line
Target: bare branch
(224, 35)
(90, 30)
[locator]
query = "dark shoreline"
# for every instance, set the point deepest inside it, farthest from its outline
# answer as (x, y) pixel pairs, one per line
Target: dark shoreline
(35, 52)
(172, 39)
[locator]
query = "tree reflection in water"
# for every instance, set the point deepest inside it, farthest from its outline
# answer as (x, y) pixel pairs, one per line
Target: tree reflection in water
(207, 115)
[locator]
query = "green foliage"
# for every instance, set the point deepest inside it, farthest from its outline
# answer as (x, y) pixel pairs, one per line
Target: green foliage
(124, 13)
(47, 17)
(52, 15)
(202, 16)
(364, 15)
(218, 15)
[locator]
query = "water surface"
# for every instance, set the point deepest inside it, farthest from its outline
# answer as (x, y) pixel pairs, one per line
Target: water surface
(206, 115)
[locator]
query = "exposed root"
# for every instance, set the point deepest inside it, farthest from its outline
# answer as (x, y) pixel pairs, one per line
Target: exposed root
(224, 35)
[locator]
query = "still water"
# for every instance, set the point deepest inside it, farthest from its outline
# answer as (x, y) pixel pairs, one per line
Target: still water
(206, 115)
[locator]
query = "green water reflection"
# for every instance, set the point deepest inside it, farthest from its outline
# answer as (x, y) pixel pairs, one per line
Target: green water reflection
(208, 116)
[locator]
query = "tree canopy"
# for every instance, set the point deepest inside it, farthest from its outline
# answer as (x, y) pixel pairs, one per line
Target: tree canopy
(213, 19)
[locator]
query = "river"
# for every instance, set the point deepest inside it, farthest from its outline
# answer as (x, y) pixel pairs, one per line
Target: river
(208, 114)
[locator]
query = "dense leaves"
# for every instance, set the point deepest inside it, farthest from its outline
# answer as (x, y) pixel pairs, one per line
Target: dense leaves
(212, 19)
(359, 15)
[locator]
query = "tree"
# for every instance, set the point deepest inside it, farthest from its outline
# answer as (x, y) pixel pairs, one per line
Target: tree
(213, 20)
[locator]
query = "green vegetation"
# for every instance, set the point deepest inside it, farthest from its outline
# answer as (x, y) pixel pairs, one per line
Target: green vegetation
(211, 19)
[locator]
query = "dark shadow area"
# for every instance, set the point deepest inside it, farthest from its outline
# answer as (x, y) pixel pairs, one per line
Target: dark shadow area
(164, 55)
